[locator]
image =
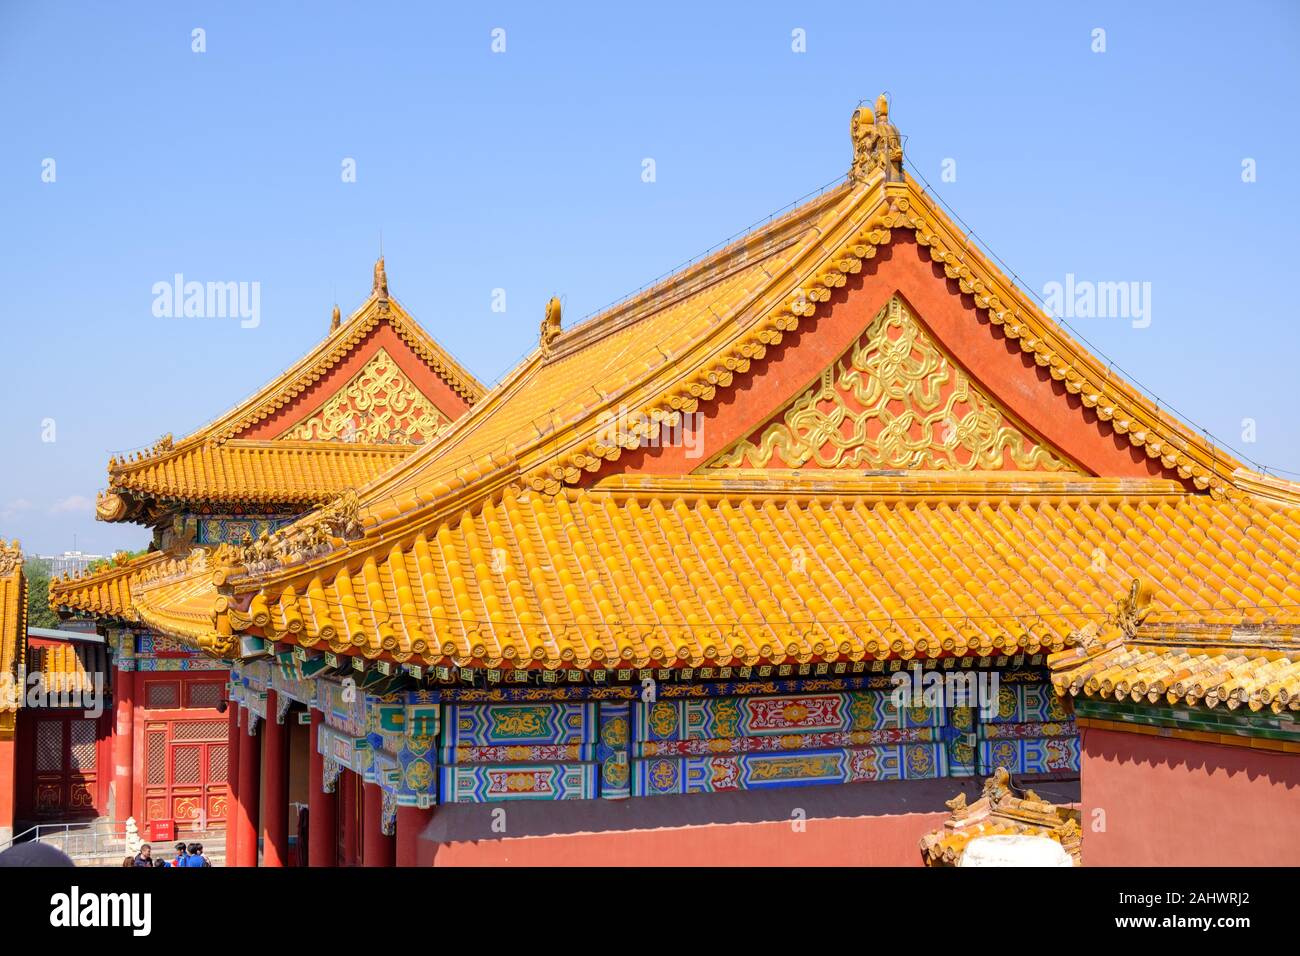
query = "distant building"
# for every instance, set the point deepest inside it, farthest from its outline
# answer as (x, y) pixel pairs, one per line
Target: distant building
(71, 562)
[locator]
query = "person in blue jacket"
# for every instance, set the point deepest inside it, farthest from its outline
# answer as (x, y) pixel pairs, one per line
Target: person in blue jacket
(195, 856)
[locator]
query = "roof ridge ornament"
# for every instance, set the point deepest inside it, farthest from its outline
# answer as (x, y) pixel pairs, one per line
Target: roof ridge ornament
(550, 326)
(876, 143)
(380, 288)
(335, 319)
(11, 557)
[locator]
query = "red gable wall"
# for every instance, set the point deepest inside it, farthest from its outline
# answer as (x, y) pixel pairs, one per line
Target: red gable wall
(382, 336)
(997, 364)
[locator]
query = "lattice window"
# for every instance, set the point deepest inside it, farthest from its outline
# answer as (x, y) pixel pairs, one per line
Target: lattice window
(155, 758)
(185, 764)
(83, 744)
(162, 695)
(217, 763)
(206, 694)
(200, 730)
(49, 746)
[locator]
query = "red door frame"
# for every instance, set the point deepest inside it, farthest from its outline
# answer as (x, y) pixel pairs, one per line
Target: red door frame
(25, 762)
(215, 795)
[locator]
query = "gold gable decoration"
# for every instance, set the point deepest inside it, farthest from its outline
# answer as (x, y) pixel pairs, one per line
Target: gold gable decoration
(379, 405)
(894, 401)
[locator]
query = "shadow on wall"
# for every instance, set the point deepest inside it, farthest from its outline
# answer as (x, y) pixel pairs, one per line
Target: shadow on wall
(474, 821)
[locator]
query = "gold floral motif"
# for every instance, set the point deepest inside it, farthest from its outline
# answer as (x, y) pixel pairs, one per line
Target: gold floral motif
(379, 405)
(894, 401)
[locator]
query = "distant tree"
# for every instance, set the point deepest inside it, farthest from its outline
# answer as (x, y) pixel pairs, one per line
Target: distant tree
(101, 563)
(39, 614)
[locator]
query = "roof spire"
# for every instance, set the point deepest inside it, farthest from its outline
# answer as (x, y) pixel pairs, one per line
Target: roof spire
(380, 289)
(335, 319)
(876, 143)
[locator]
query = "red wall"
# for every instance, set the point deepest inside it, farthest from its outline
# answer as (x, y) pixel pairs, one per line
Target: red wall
(1175, 802)
(891, 840)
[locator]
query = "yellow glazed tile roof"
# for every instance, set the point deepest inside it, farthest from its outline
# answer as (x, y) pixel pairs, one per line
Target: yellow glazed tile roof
(781, 569)
(1250, 674)
(69, 667)
(105, 593)
(176, 597)
(999, 812)
(212, 464)
(263, 472)
(489, 548)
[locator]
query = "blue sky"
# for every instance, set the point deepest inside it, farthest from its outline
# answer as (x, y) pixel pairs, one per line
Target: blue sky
(522, 171)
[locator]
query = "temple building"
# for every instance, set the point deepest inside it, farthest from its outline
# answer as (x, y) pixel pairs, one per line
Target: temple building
(838, 504)
(368, 395)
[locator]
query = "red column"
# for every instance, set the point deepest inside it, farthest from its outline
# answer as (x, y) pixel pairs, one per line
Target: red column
(250, 782)
(411, 822)
(348, 807)
(8, 779)
(275, 771)
(139, 711)
(123, 745)
(232, 782)
(322, 807)
(376, 848)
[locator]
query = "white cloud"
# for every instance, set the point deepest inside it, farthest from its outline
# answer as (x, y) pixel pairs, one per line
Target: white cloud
(73, 503)
(13, 509)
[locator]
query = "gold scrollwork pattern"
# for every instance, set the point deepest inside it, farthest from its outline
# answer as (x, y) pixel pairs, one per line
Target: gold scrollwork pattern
(893, 401)
(378, 406)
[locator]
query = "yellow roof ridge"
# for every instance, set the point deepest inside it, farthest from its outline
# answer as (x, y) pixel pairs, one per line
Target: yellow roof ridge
(796, 482)
(690, 279)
